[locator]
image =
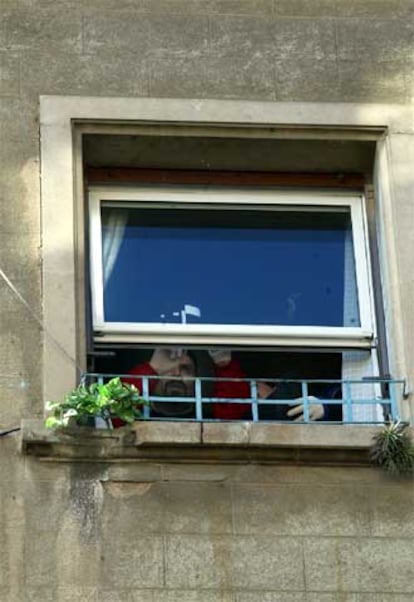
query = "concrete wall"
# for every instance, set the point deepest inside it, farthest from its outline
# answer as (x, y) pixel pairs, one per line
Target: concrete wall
(74, 531)
(126, 532)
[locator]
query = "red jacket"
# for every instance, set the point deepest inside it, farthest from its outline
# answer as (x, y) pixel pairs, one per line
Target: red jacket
(222, 388)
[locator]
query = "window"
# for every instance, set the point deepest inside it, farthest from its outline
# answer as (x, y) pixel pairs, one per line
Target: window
(282, 276)
(220, 266)
(186, 134)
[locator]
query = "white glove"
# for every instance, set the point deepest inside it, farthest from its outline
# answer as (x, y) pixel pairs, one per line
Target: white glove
(164, 361)
(221, 357)
(316, 410)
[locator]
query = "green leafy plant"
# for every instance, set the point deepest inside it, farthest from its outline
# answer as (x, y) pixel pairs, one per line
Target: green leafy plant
(393, 450)
(113, 398)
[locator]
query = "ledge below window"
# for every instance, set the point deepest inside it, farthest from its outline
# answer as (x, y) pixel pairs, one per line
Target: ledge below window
(232, 442)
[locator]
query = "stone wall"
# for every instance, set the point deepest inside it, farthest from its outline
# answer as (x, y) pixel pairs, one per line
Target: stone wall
(205, 533)
(193, 533)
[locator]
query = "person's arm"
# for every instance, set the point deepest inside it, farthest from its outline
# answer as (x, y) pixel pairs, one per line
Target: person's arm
(144, 369)
(291, 410)
(231, 389)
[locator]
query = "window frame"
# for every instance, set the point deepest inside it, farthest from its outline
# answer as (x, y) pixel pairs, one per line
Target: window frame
(212, 334)
(64, 120)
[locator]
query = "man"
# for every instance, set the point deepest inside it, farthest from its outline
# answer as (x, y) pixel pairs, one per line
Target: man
(183, 367)
(217, 365)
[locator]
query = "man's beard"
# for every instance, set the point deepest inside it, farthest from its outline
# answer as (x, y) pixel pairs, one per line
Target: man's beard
(176, 388)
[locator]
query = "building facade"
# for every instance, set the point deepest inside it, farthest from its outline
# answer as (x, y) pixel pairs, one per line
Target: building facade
(194, 117)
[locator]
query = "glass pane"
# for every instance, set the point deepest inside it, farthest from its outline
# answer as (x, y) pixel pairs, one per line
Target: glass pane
(226, 266)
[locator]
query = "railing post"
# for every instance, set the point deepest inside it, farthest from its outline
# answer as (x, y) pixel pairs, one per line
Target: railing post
(145, 395)
(253, 396)
(305, 397)
(393, 399)
(348, 401)
(199, 400)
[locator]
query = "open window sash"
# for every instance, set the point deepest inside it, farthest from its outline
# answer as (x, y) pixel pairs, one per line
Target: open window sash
(225, 230)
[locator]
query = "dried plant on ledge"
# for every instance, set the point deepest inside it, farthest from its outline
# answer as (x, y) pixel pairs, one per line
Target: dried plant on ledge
(392, 449)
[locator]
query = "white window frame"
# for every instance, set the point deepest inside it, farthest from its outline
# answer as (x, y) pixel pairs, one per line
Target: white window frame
(303, 336)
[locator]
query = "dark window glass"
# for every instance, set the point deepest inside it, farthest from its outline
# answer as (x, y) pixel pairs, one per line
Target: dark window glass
(224, 266)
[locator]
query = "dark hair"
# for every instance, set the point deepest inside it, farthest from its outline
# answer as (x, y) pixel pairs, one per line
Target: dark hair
(204, 367)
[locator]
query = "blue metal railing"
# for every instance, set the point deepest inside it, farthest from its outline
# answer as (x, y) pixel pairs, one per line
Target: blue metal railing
(359, 401)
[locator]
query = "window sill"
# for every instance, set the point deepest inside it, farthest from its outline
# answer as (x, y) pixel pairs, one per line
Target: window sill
(209, 442)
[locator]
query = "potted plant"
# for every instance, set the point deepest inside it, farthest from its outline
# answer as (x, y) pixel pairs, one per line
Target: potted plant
(393, 450)
(87, 402)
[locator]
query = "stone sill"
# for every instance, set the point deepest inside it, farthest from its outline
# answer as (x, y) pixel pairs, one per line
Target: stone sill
(235, 442)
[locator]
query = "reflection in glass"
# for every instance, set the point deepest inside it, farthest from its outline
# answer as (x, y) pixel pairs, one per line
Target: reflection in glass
(223, 266)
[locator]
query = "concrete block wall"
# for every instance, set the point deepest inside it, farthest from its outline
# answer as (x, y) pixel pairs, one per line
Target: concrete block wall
(188, 533)
(205, 533)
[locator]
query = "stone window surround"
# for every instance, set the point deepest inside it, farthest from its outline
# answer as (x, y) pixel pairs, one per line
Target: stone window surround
(61, 173)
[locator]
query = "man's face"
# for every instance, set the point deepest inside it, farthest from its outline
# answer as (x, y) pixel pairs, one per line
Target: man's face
(183, 384)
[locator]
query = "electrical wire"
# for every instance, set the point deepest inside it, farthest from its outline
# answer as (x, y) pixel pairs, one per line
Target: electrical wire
(38, 320)
(9, 431)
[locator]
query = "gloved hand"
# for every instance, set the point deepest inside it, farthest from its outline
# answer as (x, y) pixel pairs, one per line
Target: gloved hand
(221, 357)
(316, 410)
(164, 361)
